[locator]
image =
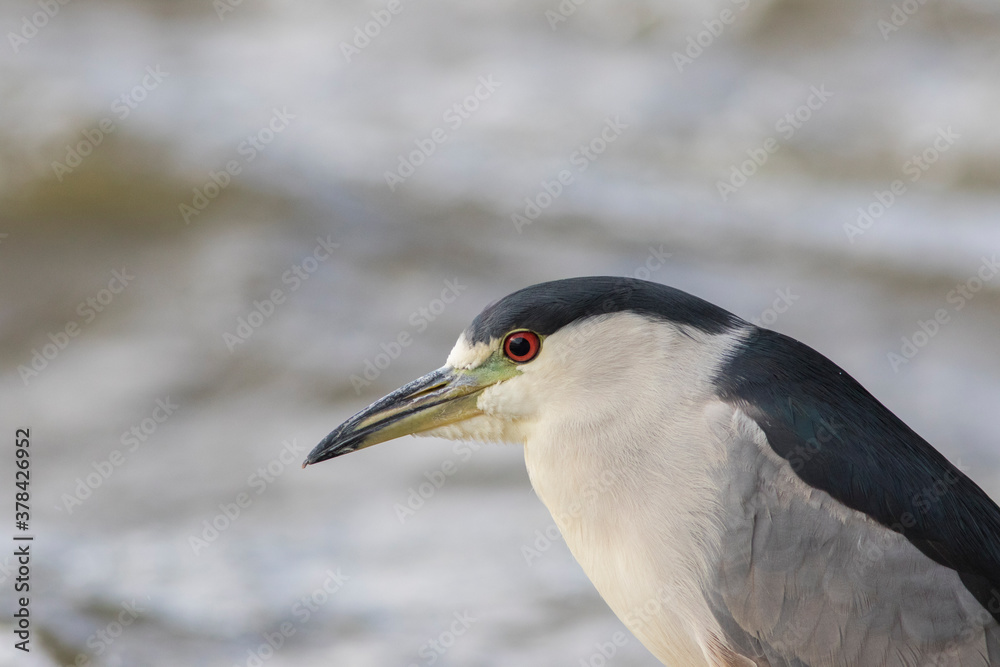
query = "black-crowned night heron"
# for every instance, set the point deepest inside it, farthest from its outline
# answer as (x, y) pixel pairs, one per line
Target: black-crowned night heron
(735, 497)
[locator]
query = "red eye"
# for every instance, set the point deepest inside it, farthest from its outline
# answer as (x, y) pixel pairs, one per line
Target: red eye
(521, 346)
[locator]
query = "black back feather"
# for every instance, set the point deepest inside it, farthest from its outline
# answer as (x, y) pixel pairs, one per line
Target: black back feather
(841, 439)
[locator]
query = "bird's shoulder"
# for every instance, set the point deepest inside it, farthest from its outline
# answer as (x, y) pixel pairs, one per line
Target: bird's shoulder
(839, 438)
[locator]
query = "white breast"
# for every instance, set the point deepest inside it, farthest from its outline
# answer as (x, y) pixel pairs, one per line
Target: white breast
(627, 478)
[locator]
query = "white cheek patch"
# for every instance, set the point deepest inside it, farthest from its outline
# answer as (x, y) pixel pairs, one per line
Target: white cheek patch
(468, 356)
(512, 399)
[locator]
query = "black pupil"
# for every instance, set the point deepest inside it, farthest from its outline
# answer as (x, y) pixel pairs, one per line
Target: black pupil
(519, 346)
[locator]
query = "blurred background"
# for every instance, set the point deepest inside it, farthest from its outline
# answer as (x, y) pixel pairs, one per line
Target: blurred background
(226, 226)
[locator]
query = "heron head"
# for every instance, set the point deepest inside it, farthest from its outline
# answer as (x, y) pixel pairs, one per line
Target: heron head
(567, 348)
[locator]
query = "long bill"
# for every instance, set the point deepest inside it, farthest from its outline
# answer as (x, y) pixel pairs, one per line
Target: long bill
(441, 397)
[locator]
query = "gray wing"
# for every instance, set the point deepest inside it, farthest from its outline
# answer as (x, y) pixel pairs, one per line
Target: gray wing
(805, 580)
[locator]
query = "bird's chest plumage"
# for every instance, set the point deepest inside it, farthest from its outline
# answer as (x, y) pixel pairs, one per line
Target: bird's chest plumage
(634, 541)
